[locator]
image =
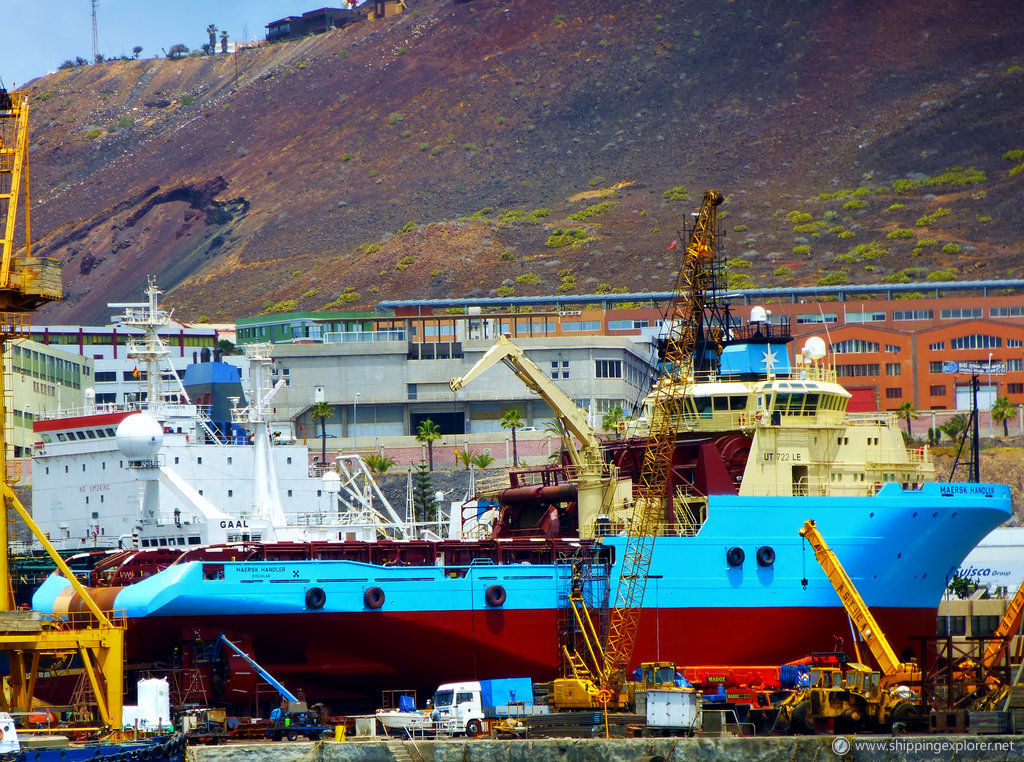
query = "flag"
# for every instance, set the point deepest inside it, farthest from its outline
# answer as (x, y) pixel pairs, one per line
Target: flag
(672, 245)
(135, 373)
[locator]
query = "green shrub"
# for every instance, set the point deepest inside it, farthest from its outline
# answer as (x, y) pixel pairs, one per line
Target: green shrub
(528, 278)
(798, 218)
(405, 263)
(679, 193)
(504, 291)
(562, 237)
(735, 264)
(810, 227)
(423, 146)
(900, 233)
(507, 256)
(309, 293)
(781, 271)
(802, 250)
(591, 211)
(894, 207)
(835, 278)
(847, 259)
(924, 242)
(187, 100)
(406, 228)
(951, 248)
(125, 122)
(94, 133)
(288, 305)
(846, 234)
(348, 296)
(855, 204)
(942, 275)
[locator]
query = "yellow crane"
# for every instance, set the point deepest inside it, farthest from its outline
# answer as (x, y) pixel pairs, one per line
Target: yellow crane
(599, 675)
(597, 488)
(894, 670)
(27, 283)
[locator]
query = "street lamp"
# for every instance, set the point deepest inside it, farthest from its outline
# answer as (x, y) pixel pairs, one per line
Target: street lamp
(992, 399)
(25, 417)
(355, 421)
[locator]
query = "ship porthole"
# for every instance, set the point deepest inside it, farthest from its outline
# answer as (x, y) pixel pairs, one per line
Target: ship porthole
(315, 598)
(735, 556)
(373, 598)
(765, 555)
(494, 595)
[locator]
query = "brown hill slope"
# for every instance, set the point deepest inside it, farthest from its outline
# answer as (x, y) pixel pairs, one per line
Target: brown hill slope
(285, 177)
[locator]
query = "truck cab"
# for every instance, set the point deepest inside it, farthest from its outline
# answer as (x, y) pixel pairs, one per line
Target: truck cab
(458, 707)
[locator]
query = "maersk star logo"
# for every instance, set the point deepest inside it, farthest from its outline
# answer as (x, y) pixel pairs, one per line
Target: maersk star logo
(769, 359)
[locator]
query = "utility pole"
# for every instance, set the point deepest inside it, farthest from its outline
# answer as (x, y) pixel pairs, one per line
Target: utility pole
(95, 33)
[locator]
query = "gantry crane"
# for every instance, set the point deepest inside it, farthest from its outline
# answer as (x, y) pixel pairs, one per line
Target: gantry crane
(600, 673)
(26, 283)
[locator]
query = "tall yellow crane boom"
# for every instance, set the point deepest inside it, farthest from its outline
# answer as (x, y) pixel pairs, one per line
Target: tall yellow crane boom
(26, 283)
(893, 669)
(684, 326)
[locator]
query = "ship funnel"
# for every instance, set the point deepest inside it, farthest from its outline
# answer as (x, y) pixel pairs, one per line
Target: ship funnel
(814, 348)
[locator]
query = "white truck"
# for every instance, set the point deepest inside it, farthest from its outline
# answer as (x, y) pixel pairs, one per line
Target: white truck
(470, 707)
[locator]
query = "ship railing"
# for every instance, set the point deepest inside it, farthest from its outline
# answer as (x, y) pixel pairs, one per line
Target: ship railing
(884, 418)
(83, 620)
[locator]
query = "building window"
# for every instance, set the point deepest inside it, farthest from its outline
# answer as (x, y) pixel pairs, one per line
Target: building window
(938, 390)
(912, 315)
(816, 317)
(893, 368)
(608, 368)
(1015, 363)
(854, 345)
(954, 625)
(864, 317)
(935, 367)
(976, 341)
(850, 371)
(893, 393)
(985, 624)
(411, 390)
(938, 346)
(1006, 312)
(565, 369)
(1015, 388)
(893, 349)
(1014, 343)
(959, 313)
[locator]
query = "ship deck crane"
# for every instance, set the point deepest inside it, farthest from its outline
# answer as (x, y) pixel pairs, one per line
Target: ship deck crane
(894, 670)
(26, 283)
(598, 676)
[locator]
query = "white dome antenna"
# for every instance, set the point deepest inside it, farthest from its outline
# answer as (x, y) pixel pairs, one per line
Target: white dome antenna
(140, 437)
(759, 315)
(814, 348)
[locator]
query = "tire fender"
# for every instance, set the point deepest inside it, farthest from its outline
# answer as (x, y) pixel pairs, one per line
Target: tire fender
(373, 598)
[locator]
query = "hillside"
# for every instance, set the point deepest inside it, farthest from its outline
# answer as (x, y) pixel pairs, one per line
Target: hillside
(452, 149)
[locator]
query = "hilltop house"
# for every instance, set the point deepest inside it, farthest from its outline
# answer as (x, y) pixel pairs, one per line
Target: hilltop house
(311, 22)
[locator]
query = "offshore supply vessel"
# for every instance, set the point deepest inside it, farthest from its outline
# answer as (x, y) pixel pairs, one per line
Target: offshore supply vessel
(758, 443)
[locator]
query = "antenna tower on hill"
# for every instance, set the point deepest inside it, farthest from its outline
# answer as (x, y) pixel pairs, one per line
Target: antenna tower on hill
(95, 33)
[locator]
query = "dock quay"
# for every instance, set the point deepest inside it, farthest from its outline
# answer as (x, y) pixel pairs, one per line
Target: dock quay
(864, 748)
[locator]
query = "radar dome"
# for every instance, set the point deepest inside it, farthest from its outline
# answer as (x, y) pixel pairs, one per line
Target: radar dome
(759, 315)
(814, 348)
(139, 437)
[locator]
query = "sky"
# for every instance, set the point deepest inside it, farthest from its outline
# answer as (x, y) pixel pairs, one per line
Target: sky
(40, 34)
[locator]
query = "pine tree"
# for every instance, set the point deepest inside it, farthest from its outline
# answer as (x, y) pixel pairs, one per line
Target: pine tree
(423, 502)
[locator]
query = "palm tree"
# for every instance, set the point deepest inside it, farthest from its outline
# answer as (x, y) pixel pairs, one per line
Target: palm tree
(612, 418)
(223, 42)
(136, 50)
(511, 420)
(955, 426)
(907, 413)
(212, 31)
(428, 432)
(1002, 412)
(323, 411)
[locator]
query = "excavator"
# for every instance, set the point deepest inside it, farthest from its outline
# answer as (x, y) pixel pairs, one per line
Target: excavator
(859, 696)
(27, 283)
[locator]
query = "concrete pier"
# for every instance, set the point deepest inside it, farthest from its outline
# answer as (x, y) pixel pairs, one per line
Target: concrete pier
(963, 748)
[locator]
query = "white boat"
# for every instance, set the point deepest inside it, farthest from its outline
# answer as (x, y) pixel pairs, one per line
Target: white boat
(194, 461)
